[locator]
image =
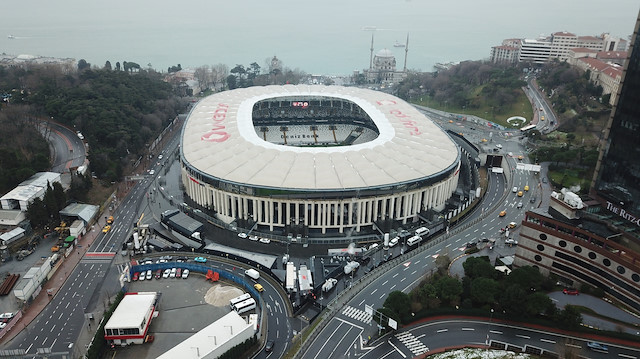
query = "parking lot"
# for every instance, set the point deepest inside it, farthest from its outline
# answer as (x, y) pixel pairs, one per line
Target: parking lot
(182, 311)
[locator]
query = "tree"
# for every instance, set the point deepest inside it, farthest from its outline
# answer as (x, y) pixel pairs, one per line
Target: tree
(484, 290)
(231, 82)
(399, 303)
(176, 68)
(526, 277)
(570, 317)
(107, 65)
(118, 66)
(203, 76)
(254, 70)
(83, 65)
(449, 289)
(475, 267)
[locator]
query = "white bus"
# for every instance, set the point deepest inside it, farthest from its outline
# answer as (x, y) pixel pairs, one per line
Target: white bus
(414, 240)
(422, 231)
(239, 299)
(245, 306)
(527, 128)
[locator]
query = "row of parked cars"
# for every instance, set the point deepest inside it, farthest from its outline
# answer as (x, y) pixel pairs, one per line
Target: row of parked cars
(5, 318)
(254, 238)
(168, 273)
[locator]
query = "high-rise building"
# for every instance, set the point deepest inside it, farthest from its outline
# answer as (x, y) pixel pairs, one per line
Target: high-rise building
(596, 242)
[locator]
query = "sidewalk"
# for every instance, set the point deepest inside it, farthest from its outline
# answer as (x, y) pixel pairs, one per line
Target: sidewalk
(54, 284)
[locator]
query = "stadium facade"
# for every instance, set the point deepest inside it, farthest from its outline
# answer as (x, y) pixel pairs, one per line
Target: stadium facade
(330, 159)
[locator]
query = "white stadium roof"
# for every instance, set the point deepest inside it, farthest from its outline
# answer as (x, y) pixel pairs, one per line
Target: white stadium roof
(219, 140)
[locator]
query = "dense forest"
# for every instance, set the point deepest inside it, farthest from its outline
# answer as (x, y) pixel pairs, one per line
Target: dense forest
(469, 85)
(118, 112)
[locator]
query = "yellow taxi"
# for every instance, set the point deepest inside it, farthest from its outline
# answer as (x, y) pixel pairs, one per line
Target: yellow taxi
(450, 121)
(521, 157)
(526, 188)
(520, 193)
(106, 229)
(484, 140)
(512, 225)
(258, 287)
(503, 213)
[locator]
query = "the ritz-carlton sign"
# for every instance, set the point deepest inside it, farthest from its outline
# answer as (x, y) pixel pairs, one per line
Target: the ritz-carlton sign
(623, 213)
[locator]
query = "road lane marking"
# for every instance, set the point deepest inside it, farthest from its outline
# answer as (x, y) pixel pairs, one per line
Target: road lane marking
(547, 341)
(626, 356)
(375, 290)
(392, 287)
(442, 331)
(468, 329)
(495, 332)
(396, 348)
(359, 305)
(574, 346)
(395, 275)
(385, 282)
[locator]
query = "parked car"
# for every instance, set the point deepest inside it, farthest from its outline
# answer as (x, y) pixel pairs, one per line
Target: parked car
(394, 241)
(185, 274)
(179, 273)
(172, 273)
(570, 291)
(265, 240)
(159, 274)
(7, 315)
(2, 325)
(254, 238)
(511, 242)
(242, 235)
(166, 273)
(142, 276)
(200, 259)
(136, 275)
(149, 275)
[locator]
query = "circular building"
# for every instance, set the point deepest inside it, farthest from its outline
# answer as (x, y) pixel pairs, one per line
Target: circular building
(326, 159)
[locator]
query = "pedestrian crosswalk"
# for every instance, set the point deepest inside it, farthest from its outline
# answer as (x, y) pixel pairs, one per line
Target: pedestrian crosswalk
(412, 343)
(357, 314)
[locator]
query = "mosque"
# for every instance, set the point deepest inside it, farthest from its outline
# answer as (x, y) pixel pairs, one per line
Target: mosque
(382, 66)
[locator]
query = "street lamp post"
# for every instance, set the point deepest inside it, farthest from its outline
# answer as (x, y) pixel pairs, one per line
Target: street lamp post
(489, 329)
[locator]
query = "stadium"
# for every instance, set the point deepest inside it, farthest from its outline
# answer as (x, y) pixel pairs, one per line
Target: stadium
(322, 160)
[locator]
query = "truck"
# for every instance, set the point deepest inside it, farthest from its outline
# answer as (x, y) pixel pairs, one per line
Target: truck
(252, 273)
(329, 284)
(351, 267)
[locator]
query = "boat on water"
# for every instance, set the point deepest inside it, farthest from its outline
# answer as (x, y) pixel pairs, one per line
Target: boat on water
(11, 36)
(398, 44)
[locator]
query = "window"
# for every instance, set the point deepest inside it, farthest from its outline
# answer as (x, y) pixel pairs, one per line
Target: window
(537, 257)
(621, 269)
(540, 247)
(635, 277)
(592, 255)
(543, 236)
(578, 249)
(562, 244)
(606, 262)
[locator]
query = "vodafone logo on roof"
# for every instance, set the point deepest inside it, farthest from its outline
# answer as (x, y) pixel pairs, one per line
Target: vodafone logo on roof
(217, 132)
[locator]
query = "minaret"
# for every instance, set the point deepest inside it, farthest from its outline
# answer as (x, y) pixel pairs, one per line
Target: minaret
(371, 56)
(406, 50)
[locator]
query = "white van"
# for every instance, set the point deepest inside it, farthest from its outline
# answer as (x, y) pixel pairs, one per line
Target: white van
(422, 231)
(414, 240)
(252, 273)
